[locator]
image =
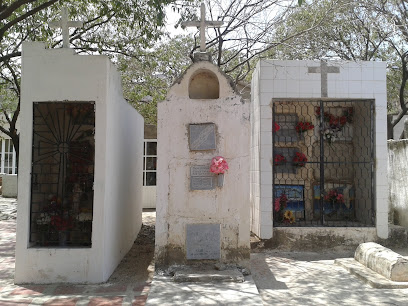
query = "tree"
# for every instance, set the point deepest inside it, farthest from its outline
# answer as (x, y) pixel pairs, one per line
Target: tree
(249, 31)
(110, 27)
(366, 30)
(146, 79)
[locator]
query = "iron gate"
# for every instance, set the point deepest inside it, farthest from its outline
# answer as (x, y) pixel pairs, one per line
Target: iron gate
(62, 174)
(323, 163)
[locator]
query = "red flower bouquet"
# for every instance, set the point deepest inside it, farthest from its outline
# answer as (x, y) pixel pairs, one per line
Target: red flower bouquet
(304, 126)
(299, 160)
(279, 159)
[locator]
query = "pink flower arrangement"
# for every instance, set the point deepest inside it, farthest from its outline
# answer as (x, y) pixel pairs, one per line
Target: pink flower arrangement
(334, 196)
(218, 165)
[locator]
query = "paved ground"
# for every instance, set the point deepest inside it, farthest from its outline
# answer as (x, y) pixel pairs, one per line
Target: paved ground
(282, 278)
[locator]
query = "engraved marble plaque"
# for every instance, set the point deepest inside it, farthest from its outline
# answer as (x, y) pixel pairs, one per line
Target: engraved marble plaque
(202, 137)
(201, 178)
(203, 241)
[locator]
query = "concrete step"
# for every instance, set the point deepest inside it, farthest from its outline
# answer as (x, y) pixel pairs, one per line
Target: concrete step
(208, 276)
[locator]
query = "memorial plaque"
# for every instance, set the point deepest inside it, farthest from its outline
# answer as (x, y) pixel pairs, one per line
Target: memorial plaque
(202, 137)
(203, 241)
(201, 178)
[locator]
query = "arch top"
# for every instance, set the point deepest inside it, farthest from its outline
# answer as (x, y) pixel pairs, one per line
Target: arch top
(203, 80)
(204, 84)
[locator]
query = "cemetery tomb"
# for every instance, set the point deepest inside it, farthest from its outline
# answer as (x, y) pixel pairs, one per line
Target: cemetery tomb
(202, 215)
(319, 148)
(80, 166)
(62, 174)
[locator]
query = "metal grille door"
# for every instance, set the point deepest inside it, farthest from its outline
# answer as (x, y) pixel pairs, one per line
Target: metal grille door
(323, 163)
(62, 174)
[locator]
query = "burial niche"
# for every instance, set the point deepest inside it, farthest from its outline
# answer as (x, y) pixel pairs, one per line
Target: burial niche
(204, 84)
(62, 176)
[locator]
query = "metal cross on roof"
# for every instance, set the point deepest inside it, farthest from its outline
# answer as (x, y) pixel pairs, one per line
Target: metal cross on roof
(202, 24)
(65, 24)
(324, 69)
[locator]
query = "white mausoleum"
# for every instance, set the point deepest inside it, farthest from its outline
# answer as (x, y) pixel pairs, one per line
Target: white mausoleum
(334, 116)
(80, 182)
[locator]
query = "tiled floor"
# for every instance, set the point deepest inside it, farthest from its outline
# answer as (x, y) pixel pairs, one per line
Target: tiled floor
(59, 294)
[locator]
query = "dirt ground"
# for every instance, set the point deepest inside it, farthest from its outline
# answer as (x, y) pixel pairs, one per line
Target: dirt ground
(138, 264)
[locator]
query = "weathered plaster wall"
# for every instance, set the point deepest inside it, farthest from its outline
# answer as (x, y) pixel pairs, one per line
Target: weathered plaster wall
(398, 181)
(290, 79)
(59, 75)
(176, 204)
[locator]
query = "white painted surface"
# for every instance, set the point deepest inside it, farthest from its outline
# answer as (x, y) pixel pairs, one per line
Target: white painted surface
(9, 187)
(177, 206)
(398, 181)
(59, 75)
(290, 79)
(149, 196)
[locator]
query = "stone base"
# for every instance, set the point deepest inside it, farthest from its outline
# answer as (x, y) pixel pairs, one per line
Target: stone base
(208, 276)
(383, 261)
(202, 56)
(367, 275)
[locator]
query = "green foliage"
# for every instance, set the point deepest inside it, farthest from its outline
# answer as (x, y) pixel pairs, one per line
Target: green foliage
(147, 78)
(114, 28)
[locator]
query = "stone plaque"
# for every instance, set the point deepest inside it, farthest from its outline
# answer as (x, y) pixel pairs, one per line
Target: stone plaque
(202, 136)
(203, 241)
(201, 178)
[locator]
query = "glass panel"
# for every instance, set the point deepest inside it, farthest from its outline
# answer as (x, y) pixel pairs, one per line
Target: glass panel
(150, 178)
(151, 148)
(151, 163)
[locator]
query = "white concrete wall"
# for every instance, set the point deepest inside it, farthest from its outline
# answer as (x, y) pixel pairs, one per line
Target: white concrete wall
(123, 180)
(256, 155)
(149, 197)
(398, 181)
(9, 186)
(59, 75)
(177, 205)
(290, 79)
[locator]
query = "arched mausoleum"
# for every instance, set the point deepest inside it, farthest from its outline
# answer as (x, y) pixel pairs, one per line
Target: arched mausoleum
(199, 216)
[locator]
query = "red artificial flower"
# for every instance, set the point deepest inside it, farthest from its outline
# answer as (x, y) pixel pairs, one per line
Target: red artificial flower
(276, 127)
(279, 159)
(304, 126)
(299, 159)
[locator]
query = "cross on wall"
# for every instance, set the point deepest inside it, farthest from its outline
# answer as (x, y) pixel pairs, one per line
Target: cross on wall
(202, 24)
(324, 69)
(65, 24)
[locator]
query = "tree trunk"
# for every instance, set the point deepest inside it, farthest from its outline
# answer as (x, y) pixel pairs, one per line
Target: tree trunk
(390, 127)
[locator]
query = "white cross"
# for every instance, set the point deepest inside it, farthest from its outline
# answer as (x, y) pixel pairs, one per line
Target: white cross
(202, 24)
(324, 69)
(65, 24)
